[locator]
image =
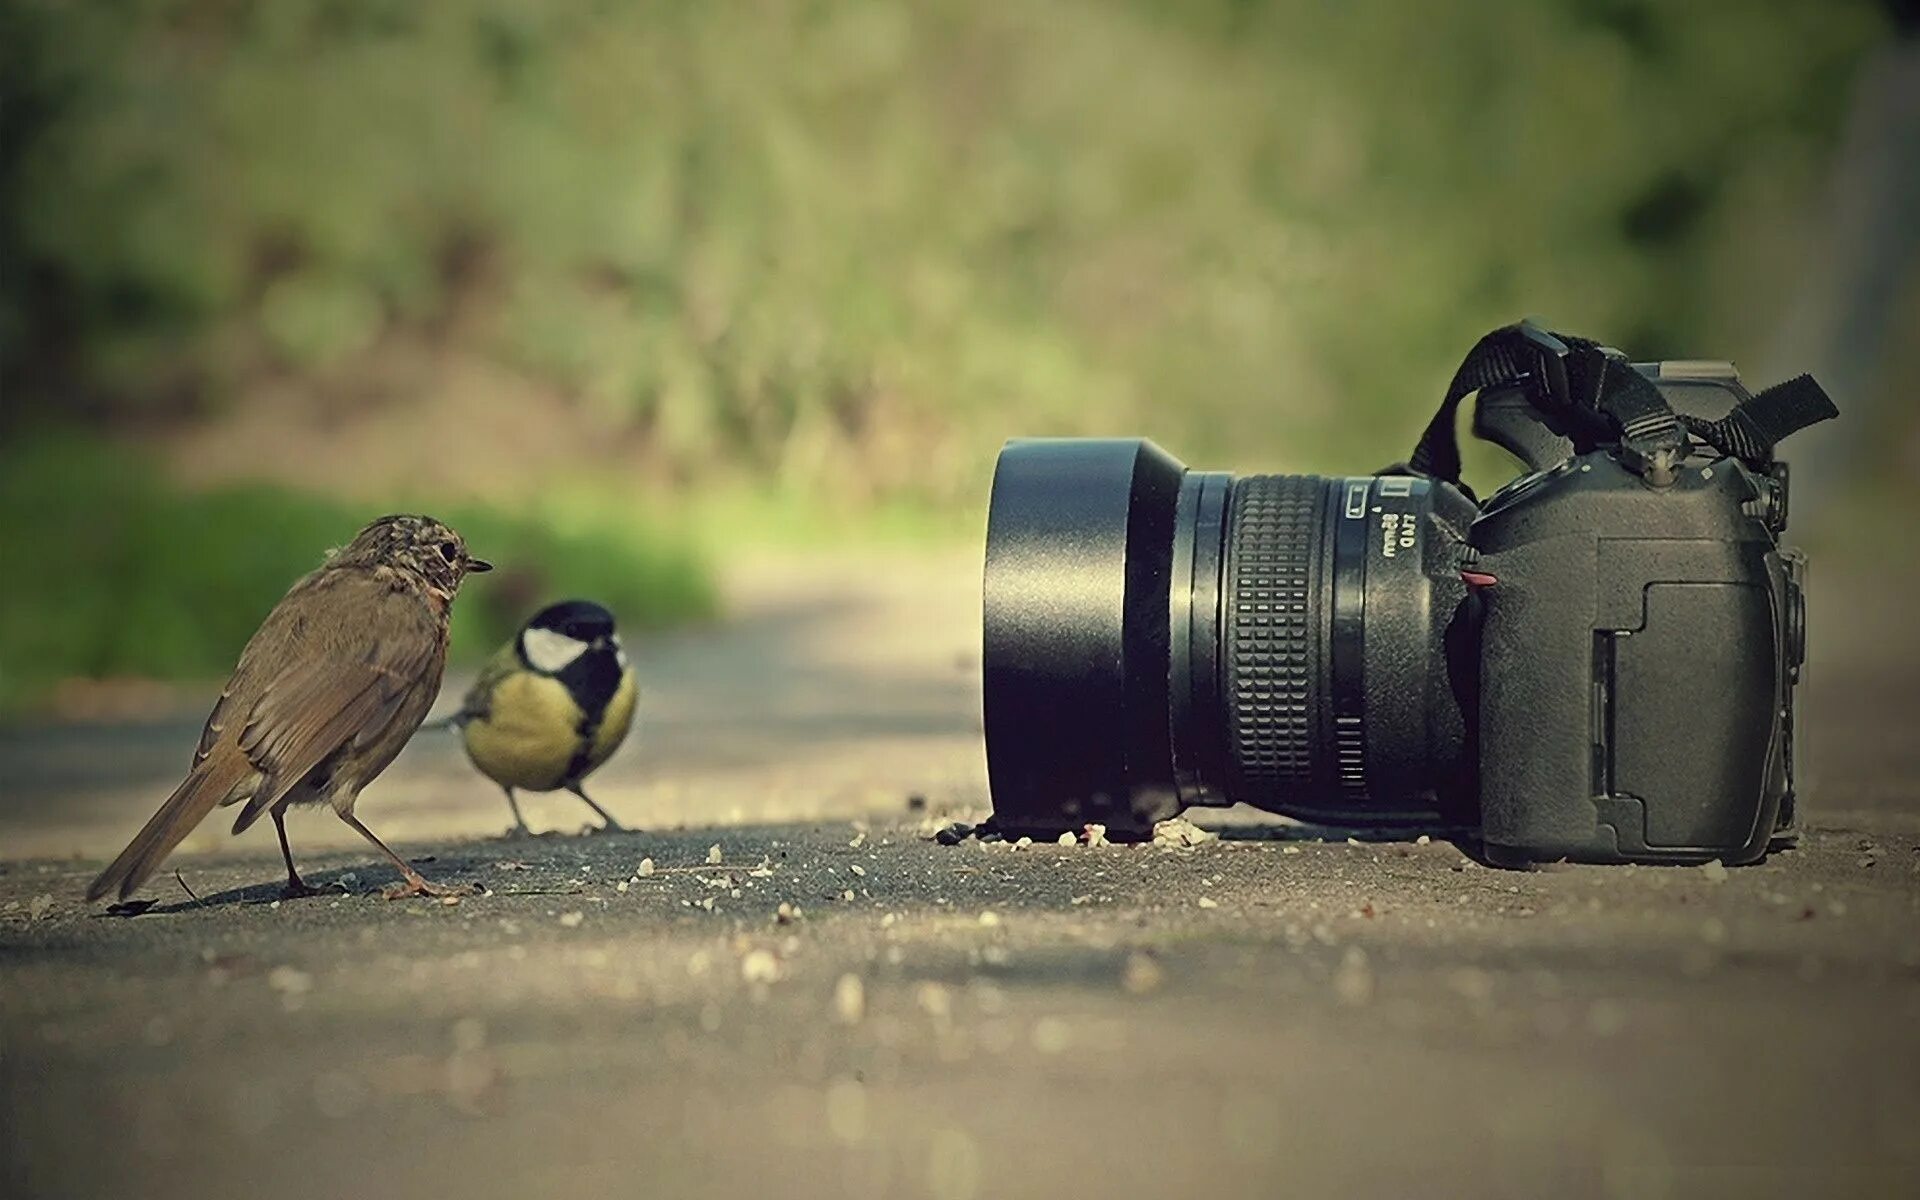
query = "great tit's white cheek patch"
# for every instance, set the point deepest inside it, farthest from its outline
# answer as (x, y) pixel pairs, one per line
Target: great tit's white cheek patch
(619, 652)
(549, 651)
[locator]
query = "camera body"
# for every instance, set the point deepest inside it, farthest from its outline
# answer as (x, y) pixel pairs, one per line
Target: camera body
(1597, 663)
(1638, 651)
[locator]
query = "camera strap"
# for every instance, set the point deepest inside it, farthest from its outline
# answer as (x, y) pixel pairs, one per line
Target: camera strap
(1593, 396)
(1751, 431)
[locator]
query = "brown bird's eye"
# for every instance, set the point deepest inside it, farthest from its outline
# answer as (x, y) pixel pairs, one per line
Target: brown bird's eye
(449, 551)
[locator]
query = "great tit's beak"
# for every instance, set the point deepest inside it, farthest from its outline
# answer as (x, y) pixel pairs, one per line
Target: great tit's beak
(478, 566)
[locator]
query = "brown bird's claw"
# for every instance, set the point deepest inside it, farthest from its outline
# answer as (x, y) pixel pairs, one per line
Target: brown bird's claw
(609, 827)
(415, 885)
(300, 890)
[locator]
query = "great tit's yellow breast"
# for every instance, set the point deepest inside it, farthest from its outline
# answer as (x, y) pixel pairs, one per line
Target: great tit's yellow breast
(530, 732)
(617, 720)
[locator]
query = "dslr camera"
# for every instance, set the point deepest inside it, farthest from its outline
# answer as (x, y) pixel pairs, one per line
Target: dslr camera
(1596, 663)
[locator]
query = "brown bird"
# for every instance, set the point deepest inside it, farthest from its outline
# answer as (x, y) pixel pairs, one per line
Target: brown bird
(331, 686)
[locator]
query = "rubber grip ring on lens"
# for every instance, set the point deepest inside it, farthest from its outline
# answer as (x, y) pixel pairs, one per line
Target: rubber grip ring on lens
(1272, 655)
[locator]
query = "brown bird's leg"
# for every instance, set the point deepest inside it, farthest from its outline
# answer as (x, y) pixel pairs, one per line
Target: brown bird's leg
(611, 826)
(414, 884)
(296, 888)
(519, 822)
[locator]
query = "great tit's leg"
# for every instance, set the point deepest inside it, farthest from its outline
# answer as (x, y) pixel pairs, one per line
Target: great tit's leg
(520, 828)
(296, 887)
(413, 884)
(611, 826)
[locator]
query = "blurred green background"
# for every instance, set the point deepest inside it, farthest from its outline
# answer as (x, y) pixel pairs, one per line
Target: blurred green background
(625, 289)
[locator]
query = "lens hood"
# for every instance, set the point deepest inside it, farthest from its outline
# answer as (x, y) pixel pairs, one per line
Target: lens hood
(1074, 662)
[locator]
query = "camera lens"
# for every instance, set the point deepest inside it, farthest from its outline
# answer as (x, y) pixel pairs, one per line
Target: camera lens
(1157, 637)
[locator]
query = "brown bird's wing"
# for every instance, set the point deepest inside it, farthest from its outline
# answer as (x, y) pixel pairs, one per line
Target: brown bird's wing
(333, 663)
(311, 712)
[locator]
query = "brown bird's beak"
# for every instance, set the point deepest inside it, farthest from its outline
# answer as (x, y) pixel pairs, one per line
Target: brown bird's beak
(478, 566)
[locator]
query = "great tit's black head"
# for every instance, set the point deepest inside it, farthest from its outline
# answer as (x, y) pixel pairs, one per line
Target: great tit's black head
(560, 633)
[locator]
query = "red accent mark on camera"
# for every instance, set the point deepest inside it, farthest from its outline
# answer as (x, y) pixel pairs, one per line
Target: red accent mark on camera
(1477, 579)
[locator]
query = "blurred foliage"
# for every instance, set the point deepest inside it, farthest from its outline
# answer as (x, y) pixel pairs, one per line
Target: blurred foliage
(111, 573)
(813, 241)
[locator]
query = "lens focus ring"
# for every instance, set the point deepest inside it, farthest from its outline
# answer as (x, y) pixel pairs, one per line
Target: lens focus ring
(1273, 667)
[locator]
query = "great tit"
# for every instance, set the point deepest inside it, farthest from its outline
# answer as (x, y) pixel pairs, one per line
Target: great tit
(551, 705)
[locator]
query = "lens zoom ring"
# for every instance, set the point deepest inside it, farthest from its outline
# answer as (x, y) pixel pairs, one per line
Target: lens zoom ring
(1273, 643)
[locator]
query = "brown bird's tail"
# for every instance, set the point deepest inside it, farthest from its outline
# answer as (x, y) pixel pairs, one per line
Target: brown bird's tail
(206, 786)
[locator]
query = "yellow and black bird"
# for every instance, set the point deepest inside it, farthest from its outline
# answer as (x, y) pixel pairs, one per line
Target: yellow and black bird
(551, 705)
(327, 691)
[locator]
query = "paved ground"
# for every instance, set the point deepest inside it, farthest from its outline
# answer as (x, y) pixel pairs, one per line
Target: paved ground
(1277, 1012)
